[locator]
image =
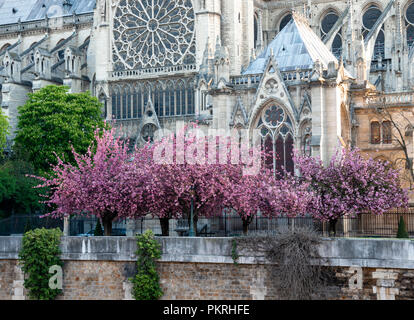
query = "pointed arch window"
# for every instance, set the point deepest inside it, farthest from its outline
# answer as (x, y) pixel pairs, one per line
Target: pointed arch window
(256, 29)
(369, 19)
(375, 132)
(275, 128)
(159, 100)
(327, 24)
(381, 132)
(285, 20)
(386, 132)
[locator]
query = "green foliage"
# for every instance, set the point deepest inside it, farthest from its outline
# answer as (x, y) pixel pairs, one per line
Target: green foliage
(28, 226)
(4, 130)
(52, 121)
(234, 254)
(16, 189)
(402, 230)
(40, 251)
(146, 284)
(98, 229)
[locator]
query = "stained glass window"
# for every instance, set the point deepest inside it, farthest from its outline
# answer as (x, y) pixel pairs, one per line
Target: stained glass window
(167, 96)
(153, 33)
(275, 128)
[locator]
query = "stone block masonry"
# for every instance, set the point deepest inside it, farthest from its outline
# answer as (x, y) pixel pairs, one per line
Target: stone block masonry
(202, 268)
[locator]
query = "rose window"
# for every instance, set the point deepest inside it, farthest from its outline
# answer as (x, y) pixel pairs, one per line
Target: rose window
(274, 116)
(153, 33)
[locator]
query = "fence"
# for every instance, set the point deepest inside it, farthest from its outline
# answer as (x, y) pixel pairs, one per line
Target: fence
(18, 224)
(365, 225)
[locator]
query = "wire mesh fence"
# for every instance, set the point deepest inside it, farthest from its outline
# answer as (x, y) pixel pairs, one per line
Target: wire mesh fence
(365, 225)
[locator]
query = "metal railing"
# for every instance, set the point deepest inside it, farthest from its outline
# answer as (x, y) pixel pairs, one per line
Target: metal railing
(365, 225)
(18, 224)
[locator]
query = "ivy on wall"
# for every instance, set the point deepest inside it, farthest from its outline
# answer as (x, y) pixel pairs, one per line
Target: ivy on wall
(146, 283)
(40, 251)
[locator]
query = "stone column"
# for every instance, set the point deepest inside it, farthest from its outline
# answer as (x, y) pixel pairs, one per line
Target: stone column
(18, 288)
(385, 288)
(66, 226)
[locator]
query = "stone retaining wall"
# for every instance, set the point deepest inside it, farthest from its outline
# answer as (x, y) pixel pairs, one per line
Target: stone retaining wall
(202, 268)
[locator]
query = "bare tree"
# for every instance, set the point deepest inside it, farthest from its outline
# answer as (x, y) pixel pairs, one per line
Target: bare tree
(402, 135)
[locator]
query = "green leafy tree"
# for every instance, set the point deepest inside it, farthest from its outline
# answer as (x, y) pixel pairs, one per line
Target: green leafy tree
(402, 230)
(98, 229)
(40, 251)
(16, 189)
(146, 284)
(4, 130)
(52, 121)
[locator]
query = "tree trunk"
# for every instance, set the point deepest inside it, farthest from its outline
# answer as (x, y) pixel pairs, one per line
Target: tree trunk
(107, 224)
(165, 226)
(246, 223)
(195, 220)
(332, 227)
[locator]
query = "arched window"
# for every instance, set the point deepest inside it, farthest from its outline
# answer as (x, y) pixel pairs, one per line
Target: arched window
(5, 47)
(171, 90)
(169, 106)
(116, 104)
(409, 24)
(124, 103)
(129, 103)
(285, 20)
(255, 28)
(375, 132)
(275, 127)
(102, 99)
(159, 100)
(326, 25)
(368, 20)
(179, 98)
(190, 98)
(386, 132)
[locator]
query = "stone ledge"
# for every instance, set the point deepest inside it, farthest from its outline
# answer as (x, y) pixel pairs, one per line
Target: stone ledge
(372, 253)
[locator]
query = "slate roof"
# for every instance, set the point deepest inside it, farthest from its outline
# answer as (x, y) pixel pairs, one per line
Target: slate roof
(295, 47)
(26, 10)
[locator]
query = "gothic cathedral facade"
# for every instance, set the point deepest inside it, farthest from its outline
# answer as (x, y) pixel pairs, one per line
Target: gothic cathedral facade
(310, 75)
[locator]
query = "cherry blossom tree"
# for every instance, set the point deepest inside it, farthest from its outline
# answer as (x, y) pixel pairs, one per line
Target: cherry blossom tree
(181, 176)
(350, 184)
(98, 184)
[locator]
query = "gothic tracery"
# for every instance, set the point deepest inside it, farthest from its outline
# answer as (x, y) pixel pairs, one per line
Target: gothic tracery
(153, 33)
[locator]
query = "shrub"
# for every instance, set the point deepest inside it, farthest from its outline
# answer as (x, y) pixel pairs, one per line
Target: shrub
(146, 284)
(40, 251)
(402, 230)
